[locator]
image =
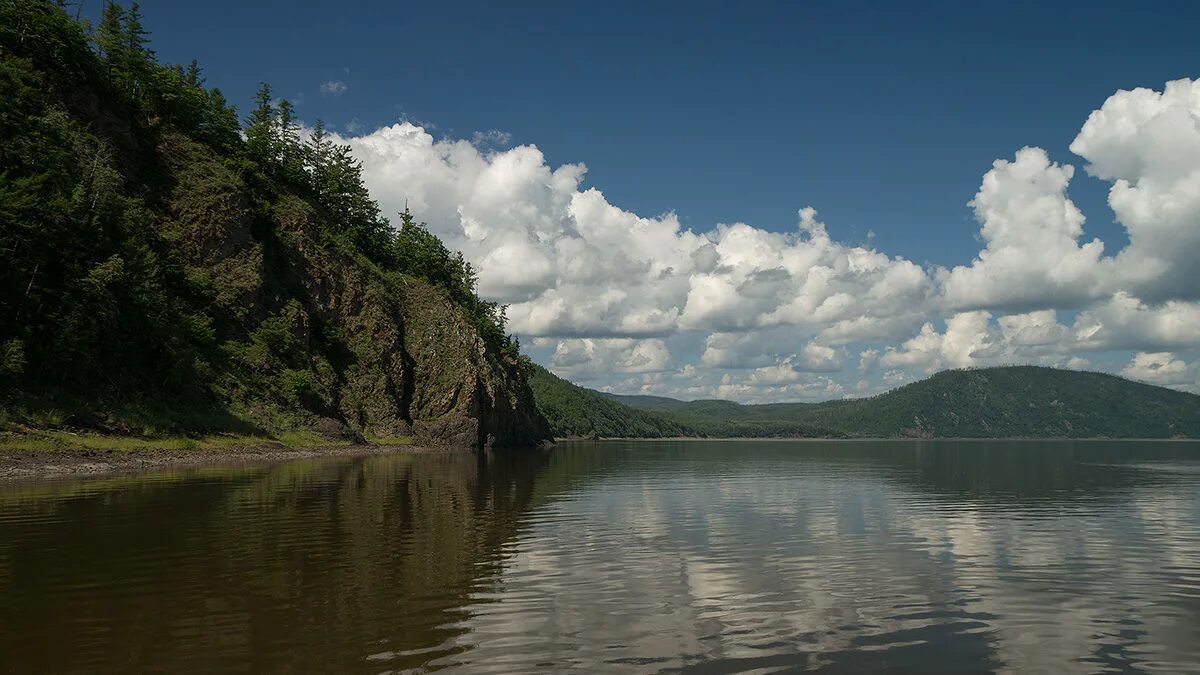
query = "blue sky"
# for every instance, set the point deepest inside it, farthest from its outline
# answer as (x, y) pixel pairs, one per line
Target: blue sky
(882, 116)
(720, 111)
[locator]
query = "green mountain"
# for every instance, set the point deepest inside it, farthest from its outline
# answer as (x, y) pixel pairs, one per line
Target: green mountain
(575, 412)
(1009, 402)
(169, 268)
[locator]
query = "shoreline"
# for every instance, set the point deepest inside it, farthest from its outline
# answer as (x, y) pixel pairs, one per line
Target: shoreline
(57, 463)
(875, 439)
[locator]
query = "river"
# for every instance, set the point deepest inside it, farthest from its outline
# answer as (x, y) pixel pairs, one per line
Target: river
(646, 556)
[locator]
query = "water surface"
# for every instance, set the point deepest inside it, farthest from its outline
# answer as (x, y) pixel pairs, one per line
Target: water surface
(686, 556)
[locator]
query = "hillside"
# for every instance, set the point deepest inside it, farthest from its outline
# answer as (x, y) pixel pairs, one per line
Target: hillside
(1008, 402)
(576, 412)
(171, 270)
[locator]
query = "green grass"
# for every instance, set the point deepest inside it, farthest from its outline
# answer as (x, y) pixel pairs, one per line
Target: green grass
(38, 440)
(49, 441)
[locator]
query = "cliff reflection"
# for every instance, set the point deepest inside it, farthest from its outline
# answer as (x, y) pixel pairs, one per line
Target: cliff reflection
(292, 566)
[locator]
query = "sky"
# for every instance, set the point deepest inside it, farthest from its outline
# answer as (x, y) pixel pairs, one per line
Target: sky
(770, 201)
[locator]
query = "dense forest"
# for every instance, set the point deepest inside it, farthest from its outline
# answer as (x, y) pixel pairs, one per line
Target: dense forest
(1008, 402)
(576, 412)
(171, 267)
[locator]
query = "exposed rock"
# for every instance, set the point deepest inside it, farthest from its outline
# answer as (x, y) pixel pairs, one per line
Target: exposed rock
(392, 357)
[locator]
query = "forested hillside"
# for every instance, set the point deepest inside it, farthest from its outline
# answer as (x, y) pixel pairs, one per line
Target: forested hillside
(1009, 402)
(170, 267)
(575, 412)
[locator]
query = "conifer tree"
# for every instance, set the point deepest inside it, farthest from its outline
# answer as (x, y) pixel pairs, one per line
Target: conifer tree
(110, 39)
(260, 127)
(221, 126)
(318, 151)
(192, 75)
(135, 38)
(287, 137)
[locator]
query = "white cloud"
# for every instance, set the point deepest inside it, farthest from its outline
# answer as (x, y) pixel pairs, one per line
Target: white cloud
(967, 341)
(571, 264)
(1124, 322)
(1032, 229)
(813, 358)
(1161, 368)
(491, 138)
(753, 313)
(867, 359)
(333, 88)
(1078, 363)
(1148, 144)
(586, 357)
(1035, 329)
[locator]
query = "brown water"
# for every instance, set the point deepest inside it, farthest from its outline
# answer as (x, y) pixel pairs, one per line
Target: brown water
(704, 557)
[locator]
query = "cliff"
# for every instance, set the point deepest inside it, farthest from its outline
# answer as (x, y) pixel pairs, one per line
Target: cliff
(173, 272)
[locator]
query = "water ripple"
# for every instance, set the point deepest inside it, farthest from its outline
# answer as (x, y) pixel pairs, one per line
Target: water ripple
(620, 557)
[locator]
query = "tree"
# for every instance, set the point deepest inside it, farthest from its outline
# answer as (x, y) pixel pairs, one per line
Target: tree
(260, 133)
(220, 126)
(138, 57)
(110, 37)
(192, 75)
(290, 155)
(318, 151)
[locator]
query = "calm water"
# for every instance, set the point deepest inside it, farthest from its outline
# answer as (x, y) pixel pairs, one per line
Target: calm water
(704, 557)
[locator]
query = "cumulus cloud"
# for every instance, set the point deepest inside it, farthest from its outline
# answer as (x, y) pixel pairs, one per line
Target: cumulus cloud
(1031, 229)
(778, 313)
(771, 346)
(967, 341)
(1125, 322)
(571, 264)
(973, 339)
(1147, 143)
(1161, 368)
(586, 357)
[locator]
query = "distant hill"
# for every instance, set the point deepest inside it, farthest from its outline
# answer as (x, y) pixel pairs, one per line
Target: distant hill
(576, 412)
(1009, 402)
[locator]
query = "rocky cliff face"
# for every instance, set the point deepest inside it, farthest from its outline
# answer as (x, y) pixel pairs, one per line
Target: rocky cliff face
(387, 357)
(171, 266)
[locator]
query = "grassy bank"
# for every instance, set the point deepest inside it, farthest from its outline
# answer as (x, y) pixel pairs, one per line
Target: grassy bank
(35, 440)
(36, 454)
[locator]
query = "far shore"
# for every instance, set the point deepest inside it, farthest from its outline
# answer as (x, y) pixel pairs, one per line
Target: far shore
(889, 439)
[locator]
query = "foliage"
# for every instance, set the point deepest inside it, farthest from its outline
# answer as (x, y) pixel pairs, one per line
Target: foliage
(111, 316)
(575, 412)
(1010, 402)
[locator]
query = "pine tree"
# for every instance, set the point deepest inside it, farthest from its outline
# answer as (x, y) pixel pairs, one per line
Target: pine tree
(135, 34)
(221, 126)
(110, 37)
(287, 135)
(260, 128)
(318, 151)
(192, 75)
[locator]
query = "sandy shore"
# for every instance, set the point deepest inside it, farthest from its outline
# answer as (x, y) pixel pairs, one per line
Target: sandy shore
(66, 463)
